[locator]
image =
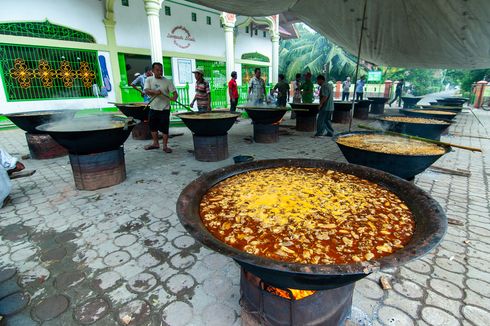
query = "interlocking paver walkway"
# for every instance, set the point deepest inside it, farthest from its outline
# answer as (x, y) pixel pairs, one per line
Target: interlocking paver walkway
(119, 255)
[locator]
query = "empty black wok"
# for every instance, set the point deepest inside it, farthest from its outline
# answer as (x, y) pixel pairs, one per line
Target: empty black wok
(426, 130)
(403, 166)
(264, 115)
(378, 104)
(28, 121)
(209, 123)
(429, 217)
(311, 109)
(90, 135)
(450, 102)
(410, 101)
(136, 110)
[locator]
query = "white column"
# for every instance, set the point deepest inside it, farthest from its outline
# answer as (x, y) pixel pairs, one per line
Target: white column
(275, 58)
(152, 8)
(230, 51)
(228, 20)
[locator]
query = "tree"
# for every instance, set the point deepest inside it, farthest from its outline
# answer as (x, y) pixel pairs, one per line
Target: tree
(311, 52)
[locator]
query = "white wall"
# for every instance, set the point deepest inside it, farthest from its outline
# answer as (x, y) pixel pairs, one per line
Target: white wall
(257, 43)
(132, 28)
(85, 16)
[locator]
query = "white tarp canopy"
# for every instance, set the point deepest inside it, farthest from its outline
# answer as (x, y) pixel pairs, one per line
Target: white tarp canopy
(398, 33)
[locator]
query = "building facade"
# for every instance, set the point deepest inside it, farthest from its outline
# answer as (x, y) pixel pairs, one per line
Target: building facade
(71, 54)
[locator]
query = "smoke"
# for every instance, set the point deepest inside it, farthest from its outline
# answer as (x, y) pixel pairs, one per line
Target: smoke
(67, 122)
(261, 105)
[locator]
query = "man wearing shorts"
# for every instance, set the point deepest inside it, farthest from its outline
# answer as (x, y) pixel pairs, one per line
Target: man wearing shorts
(162, 91)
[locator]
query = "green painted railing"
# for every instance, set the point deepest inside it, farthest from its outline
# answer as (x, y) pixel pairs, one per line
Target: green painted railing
(243, 93)
(183, 98)
(218, 96)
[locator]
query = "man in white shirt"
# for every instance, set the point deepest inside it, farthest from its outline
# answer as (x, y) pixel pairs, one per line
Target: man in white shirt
(162, 91)
(256, 88)
(8, 165)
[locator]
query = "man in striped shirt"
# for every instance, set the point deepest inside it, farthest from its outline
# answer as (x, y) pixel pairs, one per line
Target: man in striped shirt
(203, 93)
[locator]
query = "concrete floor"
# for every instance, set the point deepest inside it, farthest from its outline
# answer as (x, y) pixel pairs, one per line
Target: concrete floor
(120, 256)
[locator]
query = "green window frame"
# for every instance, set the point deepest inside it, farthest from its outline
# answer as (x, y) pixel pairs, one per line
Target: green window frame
(45, 30)
(265, 33)
(168, 11)
(125, 3)
(47, 73)
(247, 29)
(208, 20)
(256, 32)
(194, 17)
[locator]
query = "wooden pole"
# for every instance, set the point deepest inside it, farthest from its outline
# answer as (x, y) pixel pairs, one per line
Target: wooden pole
(357, 64)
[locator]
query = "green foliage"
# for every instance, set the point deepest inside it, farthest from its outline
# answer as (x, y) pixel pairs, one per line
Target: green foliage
(423, 81)
(466, 78)
(310, 52)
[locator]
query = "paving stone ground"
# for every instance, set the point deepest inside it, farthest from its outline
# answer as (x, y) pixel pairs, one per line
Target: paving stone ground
(119, 256)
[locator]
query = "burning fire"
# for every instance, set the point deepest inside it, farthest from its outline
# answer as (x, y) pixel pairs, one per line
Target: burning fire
(297, 294)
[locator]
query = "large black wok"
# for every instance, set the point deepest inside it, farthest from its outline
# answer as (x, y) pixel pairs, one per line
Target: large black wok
(430, 227)
(90, 135)
(453, 109)
(264, 115)
(417, 113)
(451, 101)
(378, 104)
(403, 166)
(215, 124)
(28, 121)
(426, 130)
(135, 109)
(410, 101)
(305, 109)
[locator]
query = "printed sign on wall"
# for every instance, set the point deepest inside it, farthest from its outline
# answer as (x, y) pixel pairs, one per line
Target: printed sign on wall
(181, 37)
(184, 67)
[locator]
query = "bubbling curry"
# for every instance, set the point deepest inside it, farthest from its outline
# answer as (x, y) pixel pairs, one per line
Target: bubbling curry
(307, 215)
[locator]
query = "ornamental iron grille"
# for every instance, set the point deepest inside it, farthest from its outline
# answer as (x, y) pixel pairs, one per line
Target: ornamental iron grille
(45, 30)
(41, 73)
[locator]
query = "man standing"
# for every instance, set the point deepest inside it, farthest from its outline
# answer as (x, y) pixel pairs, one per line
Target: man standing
(398, 92)
(324, 123)
(360, 88)
(233, 91)
(307, 89)
(345, 89)
(8, 165)
(297, 89)
(140, 81)
(162, 91)
(282, 88)
(203, 93)
(256, 88)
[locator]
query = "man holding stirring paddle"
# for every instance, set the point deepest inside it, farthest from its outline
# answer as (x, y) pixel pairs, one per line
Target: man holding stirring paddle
(162, 91)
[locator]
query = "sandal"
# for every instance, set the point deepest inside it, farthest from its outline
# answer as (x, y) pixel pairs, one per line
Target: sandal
(167, 150)
(150, 147)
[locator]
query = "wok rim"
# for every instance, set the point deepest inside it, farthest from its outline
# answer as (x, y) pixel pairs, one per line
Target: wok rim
(45, 127)
(447, 148)
(184, 115)
(187, 209)
(37, 113)
(382, 118)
